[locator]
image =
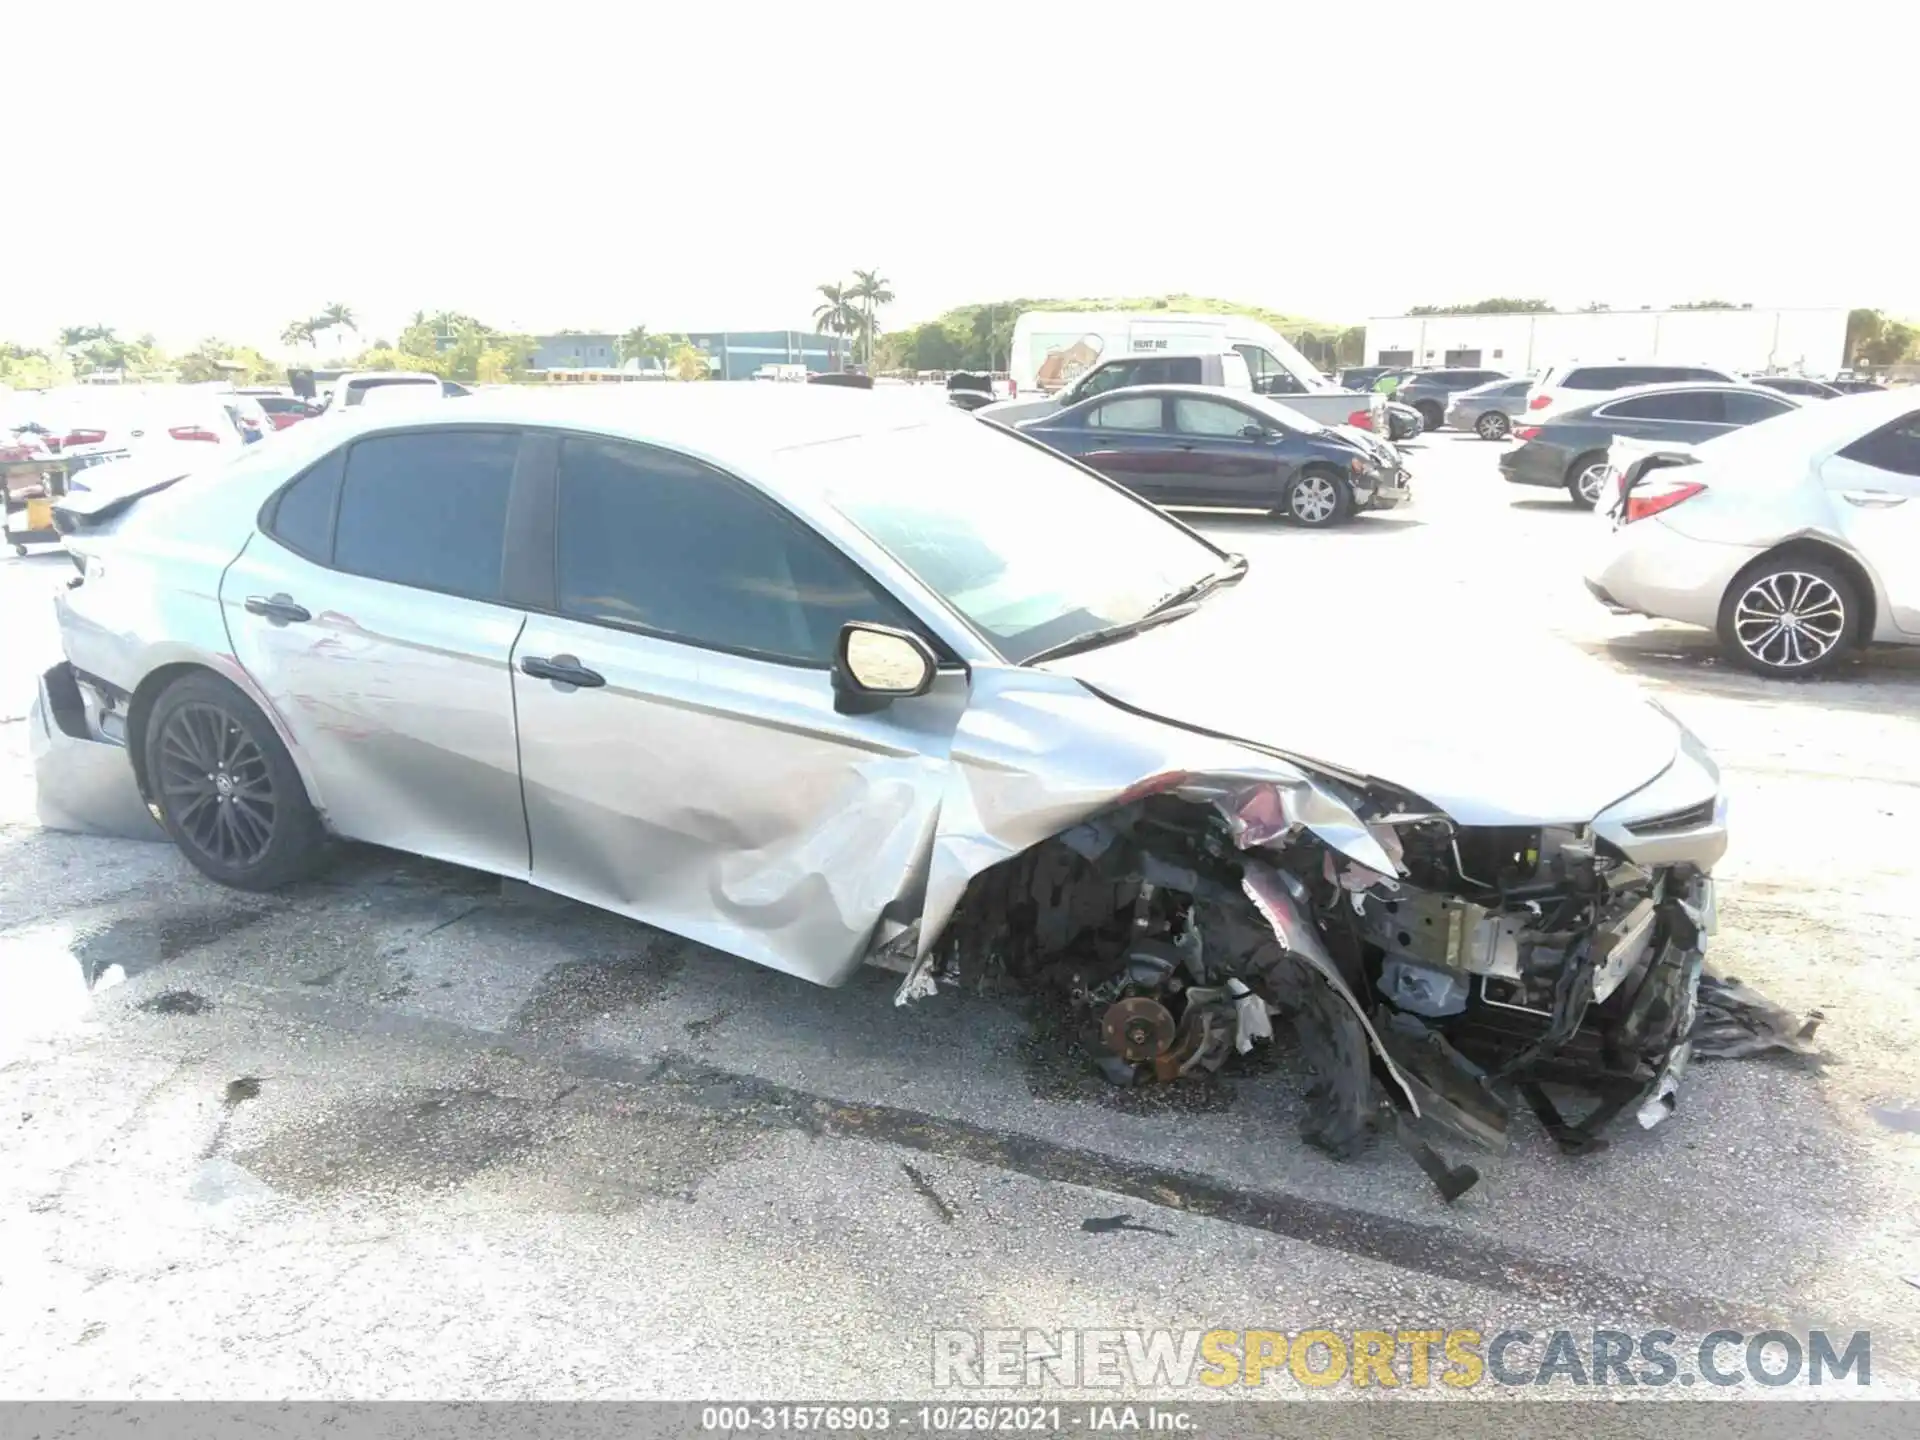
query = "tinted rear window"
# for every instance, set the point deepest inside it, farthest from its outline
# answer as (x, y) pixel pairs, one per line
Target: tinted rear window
(1620, 377)
(357, 389)
(428, 509)
(302, 517)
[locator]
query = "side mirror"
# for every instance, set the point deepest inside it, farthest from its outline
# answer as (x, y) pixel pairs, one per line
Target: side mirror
(1253, 432)
(874, 665)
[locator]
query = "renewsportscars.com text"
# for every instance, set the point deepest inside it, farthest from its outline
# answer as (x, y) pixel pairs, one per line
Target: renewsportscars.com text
(1461, 1359)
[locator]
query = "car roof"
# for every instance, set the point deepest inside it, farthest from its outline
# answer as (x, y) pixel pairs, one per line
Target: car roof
(734, 425)
(1670, 387)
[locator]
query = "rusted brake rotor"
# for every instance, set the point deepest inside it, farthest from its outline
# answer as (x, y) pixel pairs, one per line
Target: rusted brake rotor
(1137, 1028)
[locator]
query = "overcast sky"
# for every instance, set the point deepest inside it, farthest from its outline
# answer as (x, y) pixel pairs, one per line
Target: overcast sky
(195, 169)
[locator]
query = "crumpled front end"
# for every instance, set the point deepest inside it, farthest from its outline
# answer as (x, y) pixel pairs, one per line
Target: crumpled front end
(1438, 977)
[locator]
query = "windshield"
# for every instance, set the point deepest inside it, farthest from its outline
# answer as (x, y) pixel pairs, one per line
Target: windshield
(1030, 548)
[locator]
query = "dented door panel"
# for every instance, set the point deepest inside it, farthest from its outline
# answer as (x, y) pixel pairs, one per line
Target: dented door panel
(723, 798)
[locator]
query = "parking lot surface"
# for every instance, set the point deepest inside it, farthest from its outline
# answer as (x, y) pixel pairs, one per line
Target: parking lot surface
(404, 1133)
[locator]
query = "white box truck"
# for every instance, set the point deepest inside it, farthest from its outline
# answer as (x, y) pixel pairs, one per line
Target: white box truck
(1052, 347)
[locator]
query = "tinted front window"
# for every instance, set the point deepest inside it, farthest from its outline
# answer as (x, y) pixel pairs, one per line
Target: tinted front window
(653, 540)
(427, 509)
(1137, 412)
(1694, 405)
(1107, 377)
(302, 517)
(1270, 377)
(1209, 417)
(1894, 447)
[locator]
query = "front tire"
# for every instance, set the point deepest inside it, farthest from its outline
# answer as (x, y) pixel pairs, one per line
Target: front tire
(1492, 426)
(1585, 479)
(1431, 415)
(227, 790)
(1789, 617)
(1318, 499)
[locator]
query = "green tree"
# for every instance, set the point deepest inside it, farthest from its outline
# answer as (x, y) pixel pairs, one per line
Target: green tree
(1499, 305)
(1895, 342)
(336, 316)
(688, 362)
(25, 368)
(216, 360)
(1863, 328)
(870, 290)
(300, 332)
(931, 346)
(836, 314)
(1707, 305)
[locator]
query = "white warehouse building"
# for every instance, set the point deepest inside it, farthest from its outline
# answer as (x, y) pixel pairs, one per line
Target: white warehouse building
(1811, 342)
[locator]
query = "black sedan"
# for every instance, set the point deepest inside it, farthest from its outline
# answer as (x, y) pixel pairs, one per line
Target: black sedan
(1194, 445)
(1569, 451)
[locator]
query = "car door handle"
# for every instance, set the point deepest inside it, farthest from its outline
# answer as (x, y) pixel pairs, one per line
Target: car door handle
(1186, 445)
(281, 609)
(1873, 499)
(562, 670)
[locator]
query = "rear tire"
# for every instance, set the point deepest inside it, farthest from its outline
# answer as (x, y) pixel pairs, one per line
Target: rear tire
(1318, 499)
(1790, 617)
(1492, 426)
(226, 788)
(1585, 476)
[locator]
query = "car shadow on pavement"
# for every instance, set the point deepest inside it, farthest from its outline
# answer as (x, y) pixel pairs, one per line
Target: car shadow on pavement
(1558, 503)
(1258, 520)
(1869, 680)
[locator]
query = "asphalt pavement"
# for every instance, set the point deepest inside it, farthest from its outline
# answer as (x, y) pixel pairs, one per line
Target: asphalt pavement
(405, 1133)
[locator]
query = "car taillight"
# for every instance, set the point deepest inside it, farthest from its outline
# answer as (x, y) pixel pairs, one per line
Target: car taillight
(1539, 402)
(1526, 432)
(84, 437)
(1361, 420)
(1639, 507)
(194, 432)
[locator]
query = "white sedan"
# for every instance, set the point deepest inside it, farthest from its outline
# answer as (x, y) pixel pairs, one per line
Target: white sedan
(1796, 539)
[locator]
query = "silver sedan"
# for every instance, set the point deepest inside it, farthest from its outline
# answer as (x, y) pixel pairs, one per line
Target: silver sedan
(829, 678)
(1488, 409)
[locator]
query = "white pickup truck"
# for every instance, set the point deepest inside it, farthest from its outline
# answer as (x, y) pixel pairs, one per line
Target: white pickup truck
(353, 388)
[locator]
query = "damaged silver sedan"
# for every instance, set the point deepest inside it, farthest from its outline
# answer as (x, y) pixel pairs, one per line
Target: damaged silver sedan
(820, 679)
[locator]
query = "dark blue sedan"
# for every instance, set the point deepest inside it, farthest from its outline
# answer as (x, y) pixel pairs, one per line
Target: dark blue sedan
(1196, 445)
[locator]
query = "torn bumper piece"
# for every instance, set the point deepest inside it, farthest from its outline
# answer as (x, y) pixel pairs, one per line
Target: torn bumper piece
(82, 783)
(1438, 978)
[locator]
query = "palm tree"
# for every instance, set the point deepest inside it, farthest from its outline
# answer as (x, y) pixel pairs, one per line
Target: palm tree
(336, 314)
(635, 344)
(872, 292)
(837, 316)
(300, 332)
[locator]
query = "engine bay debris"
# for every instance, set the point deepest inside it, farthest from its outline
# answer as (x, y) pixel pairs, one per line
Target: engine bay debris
(1437, 978)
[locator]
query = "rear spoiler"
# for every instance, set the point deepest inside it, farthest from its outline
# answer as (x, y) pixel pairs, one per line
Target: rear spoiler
(110, 495)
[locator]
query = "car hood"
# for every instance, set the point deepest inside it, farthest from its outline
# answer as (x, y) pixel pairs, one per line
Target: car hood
(1490, 737)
